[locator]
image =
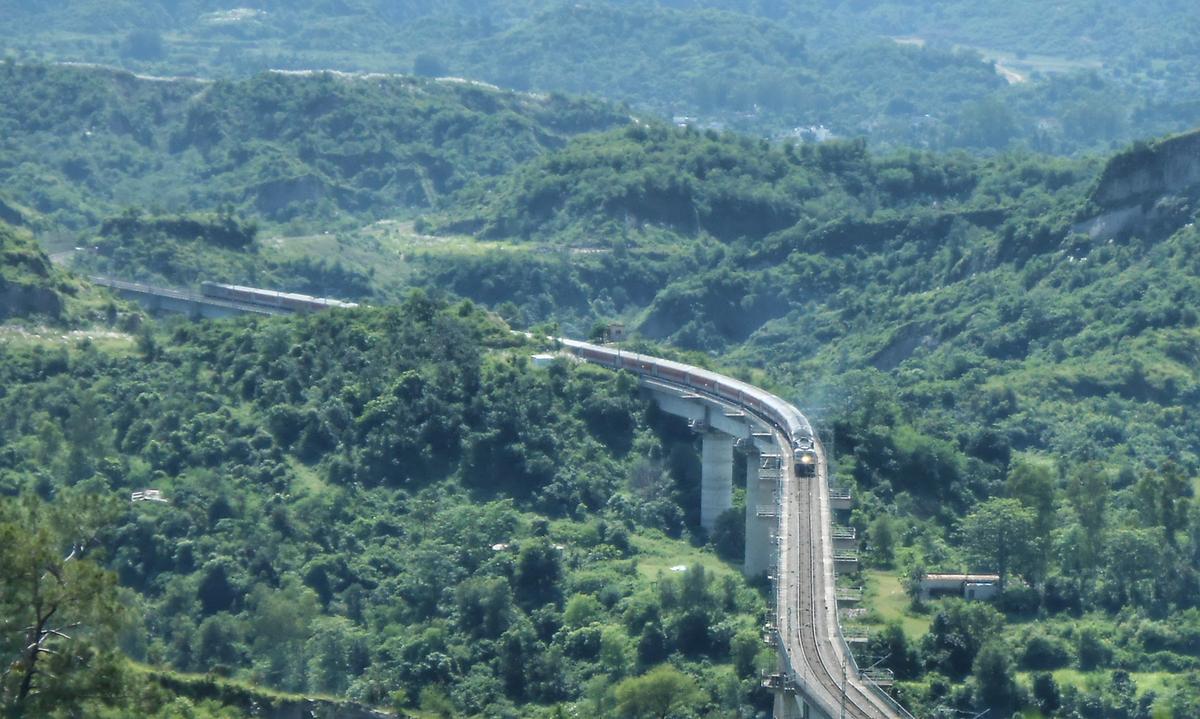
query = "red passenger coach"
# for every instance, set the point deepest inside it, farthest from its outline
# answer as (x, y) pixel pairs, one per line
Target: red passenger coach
(782, 415)
(672, 374)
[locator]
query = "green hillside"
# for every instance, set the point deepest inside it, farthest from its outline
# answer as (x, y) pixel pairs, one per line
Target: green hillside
(815, 262)
(391, 509)
(387, 505)
(81, 144)
(981, 338)
(1160, 28)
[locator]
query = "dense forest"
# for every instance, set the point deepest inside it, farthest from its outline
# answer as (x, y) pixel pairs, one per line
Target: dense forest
(1005, 378)
(392, 509)
(982, 76)
(81, 144)
(1005, 373)
(390, 505)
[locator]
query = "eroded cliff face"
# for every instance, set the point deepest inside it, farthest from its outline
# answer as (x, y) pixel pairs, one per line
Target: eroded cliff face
(1148, 189)
(17, 300)
(1147, 171)
(29, 284)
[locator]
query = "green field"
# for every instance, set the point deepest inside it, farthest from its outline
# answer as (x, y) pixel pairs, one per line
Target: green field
(886, 601)
(658, 553)
(1158, 682)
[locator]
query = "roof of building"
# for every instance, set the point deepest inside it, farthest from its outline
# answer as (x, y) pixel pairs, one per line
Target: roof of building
(963, 577)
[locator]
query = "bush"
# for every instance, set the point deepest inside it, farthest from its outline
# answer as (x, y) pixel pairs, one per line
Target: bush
(1045, 652)
(1094, 651)
(1019, 600)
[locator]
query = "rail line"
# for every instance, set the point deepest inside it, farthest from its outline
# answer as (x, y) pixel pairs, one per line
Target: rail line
(816, 659)
(834, 679)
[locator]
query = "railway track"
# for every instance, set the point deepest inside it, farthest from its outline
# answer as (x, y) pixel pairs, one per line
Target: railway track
(816, 634)
(816, 659)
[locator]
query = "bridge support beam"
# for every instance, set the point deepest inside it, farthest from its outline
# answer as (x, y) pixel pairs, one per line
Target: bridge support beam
(716, 477)
(760, 515)
(795, 706)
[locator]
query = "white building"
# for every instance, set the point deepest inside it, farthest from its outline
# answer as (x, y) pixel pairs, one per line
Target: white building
(967, 586)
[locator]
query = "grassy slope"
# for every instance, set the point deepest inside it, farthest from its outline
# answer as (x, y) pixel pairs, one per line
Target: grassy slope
(886, 597)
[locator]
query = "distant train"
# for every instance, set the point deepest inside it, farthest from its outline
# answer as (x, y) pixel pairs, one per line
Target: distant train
(283, 300)
(783, 415)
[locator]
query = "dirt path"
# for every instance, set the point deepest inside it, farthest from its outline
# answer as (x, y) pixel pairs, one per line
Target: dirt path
(1013, 77)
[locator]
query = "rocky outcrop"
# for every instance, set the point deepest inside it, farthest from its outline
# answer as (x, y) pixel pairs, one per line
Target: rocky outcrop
(903, 343)
(275, 195)
(1148, 171)
(29, 284)
(18, 300)
(1150, 188)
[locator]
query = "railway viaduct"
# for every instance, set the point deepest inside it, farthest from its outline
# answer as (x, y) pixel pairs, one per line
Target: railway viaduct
(721, 429)
(789, 532)
(789, 535)
(176, 301)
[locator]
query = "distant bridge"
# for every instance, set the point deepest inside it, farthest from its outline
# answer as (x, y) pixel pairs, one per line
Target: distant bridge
(217, 300)
(184, 302)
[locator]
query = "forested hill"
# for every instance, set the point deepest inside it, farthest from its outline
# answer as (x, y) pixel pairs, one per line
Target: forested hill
(80, 144)
(982, 360)
(1095, 75)
(937, 273)
(390, 505)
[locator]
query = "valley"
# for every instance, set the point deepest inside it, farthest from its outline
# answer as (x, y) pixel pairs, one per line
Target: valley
(413, 505)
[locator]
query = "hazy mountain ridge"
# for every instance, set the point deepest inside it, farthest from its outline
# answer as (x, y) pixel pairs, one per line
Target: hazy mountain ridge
(756, 67)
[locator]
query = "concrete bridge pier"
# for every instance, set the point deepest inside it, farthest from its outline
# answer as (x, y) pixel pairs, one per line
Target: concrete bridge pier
(720, 428)
(760, 512)
(794, 706)
(716, 477)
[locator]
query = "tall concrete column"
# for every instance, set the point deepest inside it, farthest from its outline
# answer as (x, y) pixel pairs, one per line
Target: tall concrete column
(758, 529)
(716, 477)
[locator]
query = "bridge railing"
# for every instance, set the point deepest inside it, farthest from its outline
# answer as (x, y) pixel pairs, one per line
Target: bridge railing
(844, 492)
(144, 288)
(184, 295)
(866, 676)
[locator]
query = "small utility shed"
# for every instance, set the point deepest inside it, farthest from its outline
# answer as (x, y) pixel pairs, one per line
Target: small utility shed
(967, 586)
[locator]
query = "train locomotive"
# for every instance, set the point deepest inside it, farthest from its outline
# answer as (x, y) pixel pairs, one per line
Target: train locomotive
(804, 451)
(781, 414)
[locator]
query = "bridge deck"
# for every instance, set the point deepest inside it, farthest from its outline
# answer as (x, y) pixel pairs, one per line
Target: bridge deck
(817, 660)
(170, 293)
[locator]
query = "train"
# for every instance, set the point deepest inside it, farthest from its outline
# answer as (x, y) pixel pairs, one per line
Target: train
(781, 414)
(805, 451)
(290, 301)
